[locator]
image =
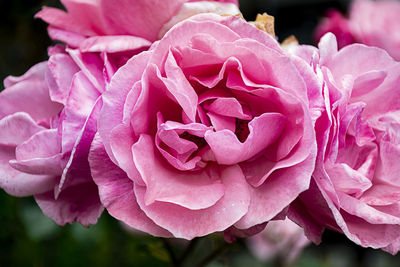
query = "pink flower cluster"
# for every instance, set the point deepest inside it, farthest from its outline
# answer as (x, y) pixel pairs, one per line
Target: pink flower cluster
(374, 23)
(181, 119)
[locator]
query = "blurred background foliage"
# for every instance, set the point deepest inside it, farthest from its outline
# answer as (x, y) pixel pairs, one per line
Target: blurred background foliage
(28, 238)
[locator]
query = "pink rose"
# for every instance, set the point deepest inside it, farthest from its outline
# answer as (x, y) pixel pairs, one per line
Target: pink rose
(102, 25)
(48, 118)
(377, 23)
(207, 130)
(337, 24)
(374, 23)
(284, 240)
(355, 187)
(60, 119)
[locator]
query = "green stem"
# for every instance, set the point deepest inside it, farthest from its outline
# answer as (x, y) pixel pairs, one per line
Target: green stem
(187, 251)
(214, 255)
(171, 253)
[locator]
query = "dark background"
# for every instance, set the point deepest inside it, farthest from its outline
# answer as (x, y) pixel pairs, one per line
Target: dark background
(28, 238)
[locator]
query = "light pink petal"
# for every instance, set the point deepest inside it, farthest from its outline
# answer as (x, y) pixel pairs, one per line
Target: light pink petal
(296, 144)
(178, 36)
(41, 145)
(377, 59)
(314, 85)
(393, 248)
(194, 191)
(228, 107)
(383, 98)
(221, 123)
(35, 72)
(264, 130)
(92, 66)
(21, 184)
(70, 38)
(61, 69)
(143, 19)
(348, 180)
(381, 195)
(381, 31)
(242, 28)
(116, 94)
(116, 192)
(389, 170)
(122, 139)
(17, 128)
(41, 166)
(33, 90)
(179, 87)
(152, 101)
(40, 154)
(280, 189)
(113, 44)
(367, 82)
(178, 150)
(367, 234)
(363, 211)
(83, 17)
(192, 8)
(296, 113)
(228, 210)
(327, 48)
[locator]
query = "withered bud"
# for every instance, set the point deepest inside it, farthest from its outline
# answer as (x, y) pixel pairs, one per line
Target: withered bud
(265, 23)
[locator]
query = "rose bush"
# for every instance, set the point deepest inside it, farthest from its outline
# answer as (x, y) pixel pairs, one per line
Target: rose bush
(355, 187)
(207, 130)
(374, 23)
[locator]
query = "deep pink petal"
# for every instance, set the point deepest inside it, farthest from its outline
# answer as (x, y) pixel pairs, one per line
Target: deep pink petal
(77, 170)
(77, 203)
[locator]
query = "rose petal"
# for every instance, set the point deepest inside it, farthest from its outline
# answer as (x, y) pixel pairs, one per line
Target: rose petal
(116, 192)
(195, 191)
(114, 98)
(77, 203)
(17, 128)
(21, 184)
(229, 150)
(230, 208)
(112, 44)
